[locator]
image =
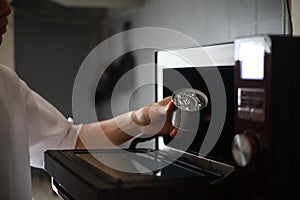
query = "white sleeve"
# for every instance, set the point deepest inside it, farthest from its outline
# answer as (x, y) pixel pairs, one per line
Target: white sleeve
(14, 169)
(47, 128)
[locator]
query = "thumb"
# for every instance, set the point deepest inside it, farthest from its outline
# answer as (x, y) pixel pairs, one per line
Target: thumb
(170, 107)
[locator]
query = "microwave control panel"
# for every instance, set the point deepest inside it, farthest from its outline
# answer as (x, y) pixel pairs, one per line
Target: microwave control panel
(251, 104)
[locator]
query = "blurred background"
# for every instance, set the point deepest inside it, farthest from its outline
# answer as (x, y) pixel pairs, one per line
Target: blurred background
(47, 40)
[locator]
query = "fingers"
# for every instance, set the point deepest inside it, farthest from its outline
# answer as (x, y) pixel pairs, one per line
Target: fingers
(174, 132)
(163, 107)
(164, 101)
(170, 107)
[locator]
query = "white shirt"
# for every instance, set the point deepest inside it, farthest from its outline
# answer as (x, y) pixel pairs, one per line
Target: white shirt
(29, 125)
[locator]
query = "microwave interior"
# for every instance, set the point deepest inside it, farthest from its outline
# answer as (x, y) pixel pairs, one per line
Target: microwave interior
(171, 76)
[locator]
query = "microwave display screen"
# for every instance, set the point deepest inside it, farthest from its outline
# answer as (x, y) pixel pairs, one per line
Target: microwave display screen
(251, 56)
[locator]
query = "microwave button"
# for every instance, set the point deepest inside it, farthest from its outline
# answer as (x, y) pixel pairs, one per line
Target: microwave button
(258, 115)
(244, 113)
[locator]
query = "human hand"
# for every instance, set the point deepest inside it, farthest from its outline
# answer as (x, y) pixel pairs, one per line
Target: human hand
(156, 118)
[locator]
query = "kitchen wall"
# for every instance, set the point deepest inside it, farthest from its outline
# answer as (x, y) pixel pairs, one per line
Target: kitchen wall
(296, 16)
(50, 44)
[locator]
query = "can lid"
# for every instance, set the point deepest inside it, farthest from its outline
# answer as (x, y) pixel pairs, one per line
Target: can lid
(189, 99)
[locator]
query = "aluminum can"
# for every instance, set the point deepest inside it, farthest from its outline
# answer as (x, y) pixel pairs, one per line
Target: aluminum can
(188, 103)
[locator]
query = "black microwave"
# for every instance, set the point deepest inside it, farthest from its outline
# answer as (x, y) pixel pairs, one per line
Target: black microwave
(266, 109)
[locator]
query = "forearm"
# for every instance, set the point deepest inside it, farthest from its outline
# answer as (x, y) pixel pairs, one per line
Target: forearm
(150, 119)
(109, 133)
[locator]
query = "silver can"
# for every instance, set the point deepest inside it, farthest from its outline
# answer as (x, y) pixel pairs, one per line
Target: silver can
(188, 103)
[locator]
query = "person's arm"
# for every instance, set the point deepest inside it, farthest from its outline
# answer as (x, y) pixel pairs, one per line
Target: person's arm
(151, 119)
